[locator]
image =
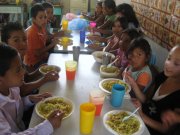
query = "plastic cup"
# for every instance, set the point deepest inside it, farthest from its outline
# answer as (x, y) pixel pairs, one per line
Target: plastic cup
(97, 98)
(106, 59)
(87, 113)
(70, 69)
(65, 41)
(65, 24)
(76, 52)
(117, 95)
(82, 36)
(92, 25)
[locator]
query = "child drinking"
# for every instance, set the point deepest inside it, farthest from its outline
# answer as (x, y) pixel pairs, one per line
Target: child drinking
(138, 55)
(11, 103)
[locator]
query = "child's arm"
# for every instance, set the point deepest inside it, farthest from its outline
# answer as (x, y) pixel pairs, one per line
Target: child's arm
(97, 38)
(27, 88)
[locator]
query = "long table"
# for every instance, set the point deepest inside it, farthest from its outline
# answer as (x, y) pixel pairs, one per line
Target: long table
(87, 79)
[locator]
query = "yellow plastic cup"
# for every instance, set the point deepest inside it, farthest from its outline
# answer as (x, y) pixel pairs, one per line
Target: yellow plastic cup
(65, 24)
(87, 113)
(65, 41)
(70, 69)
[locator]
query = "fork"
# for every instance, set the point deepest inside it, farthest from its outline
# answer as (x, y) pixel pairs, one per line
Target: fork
(127, 117)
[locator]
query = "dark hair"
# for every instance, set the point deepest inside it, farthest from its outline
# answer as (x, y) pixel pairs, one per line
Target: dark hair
(8, 29)
(35, 9)
(129, 13)
(47, 5)
(7, 54)
(123, 21)
(140, 43)
(110, 4)
(132, 33)
(99, 4)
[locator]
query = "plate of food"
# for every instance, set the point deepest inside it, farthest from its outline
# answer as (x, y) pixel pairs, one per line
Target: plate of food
(113, 123)
(98, 55)
(109, 72)
(48, 68)
(46, 107)
(65, 41)
(107, 84)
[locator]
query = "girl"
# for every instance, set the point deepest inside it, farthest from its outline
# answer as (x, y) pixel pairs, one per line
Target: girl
(98, 16)
(118, 26)
(11, 103)
(165, 96)
(13, 34)
(138, 55)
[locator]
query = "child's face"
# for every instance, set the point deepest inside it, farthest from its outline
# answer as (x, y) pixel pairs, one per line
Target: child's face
(117, 27)
(124, 41)
(137, 59)
(98, 9)
(18, 40)
(119, 14)
(41, 19)
(49, 12)
(106, 10)
(14, 77)
(172, 63)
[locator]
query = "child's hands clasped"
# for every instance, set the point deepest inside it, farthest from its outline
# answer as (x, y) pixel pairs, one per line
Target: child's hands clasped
(55, 118)
(38, 97)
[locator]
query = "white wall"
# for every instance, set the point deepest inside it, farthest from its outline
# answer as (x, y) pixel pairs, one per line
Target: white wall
(122, 1)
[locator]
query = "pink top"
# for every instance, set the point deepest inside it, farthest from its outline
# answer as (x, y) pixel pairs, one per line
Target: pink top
(11, 112)
(122, 57)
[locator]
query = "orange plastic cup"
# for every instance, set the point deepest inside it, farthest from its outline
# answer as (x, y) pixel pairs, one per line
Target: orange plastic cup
(97, 98)
(70, 69)
(65, 24)
(87, 113)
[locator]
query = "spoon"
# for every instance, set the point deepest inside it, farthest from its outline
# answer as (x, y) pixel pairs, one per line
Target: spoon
(110, 65)
(127, 117)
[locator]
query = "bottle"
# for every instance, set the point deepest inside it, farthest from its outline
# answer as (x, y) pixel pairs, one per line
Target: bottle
(117, 95)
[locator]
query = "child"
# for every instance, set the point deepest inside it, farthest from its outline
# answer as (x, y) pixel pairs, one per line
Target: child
(165, 96)
(37, 52)
(125, 39)
(118, 26)
(13, 34)
(138, 55)
(98, 16)
(11, 103)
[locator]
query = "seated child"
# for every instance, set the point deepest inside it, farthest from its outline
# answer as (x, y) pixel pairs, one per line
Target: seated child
(37, 51)
(113, 41)
(98, 16)
(13, 35)
(138, 55)
(11, 103)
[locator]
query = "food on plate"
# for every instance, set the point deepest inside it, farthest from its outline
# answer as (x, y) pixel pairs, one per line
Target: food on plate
(111, 69)
(45, 108)
(48, 68)
(109, 84)
(126, 127)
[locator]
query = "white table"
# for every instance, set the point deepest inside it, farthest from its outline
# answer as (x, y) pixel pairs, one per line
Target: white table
(87, 79)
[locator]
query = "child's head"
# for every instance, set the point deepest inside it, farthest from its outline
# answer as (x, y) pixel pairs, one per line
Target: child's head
(126, 37)
(109, 7)
(139, 53)
(119, 25)
(13, 34)
(172, 63)
(127, 11)
(11, 71)
(38, 15)
(99, 8)
(49, 10)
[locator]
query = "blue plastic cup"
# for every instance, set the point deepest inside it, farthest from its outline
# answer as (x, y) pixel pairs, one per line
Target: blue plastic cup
(82, 36)
(117, 95)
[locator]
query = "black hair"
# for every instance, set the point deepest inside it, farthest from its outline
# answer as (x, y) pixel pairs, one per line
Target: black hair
(7, 54)
(129, 13)
(123, 21)
(99, 4)
(35, 9)
(8, 29)
(132, 33)
(110, 4)
(140, 43)
(47, 5)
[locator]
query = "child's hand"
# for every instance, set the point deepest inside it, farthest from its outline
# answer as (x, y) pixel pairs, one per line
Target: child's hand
(55, 41)
(51, 76)
(38, 97)
(130, 80)
(55, 118)
(59, 34)
(94, 38)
